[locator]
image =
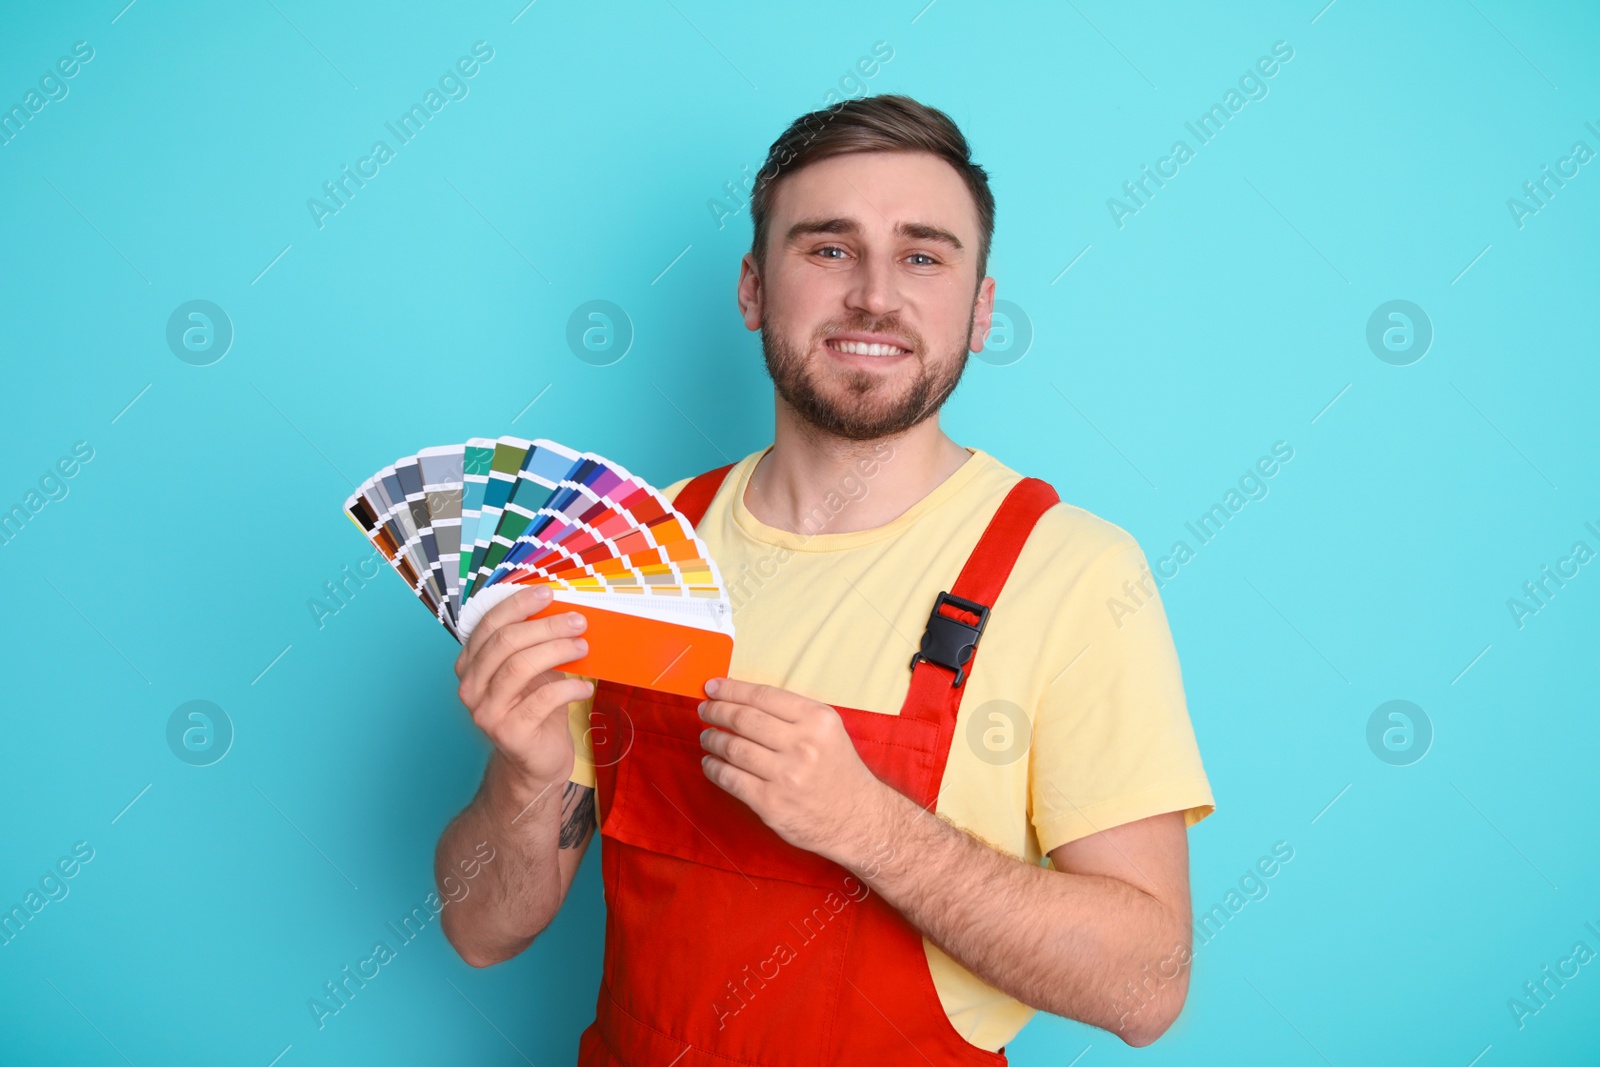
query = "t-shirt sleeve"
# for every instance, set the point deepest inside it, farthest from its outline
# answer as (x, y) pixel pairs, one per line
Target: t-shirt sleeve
(582, 747)
(1112, 738)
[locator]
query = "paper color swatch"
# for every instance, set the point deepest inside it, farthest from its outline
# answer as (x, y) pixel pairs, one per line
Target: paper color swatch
(466, 526)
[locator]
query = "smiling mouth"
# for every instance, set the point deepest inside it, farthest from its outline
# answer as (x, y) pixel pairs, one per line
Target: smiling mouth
(858, 348)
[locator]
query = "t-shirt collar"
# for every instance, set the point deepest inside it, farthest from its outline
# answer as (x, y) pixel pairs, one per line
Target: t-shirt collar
(837, 502)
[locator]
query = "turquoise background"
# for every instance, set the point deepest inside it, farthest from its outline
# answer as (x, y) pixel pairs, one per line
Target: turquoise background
(1226, 315)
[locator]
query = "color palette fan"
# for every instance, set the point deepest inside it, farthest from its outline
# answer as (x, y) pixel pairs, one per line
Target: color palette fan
(468, 525)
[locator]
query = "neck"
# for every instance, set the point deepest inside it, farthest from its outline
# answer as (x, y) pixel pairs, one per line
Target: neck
(792, 485)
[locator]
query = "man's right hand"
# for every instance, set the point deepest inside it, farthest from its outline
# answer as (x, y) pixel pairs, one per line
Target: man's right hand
(516, 696)
(537, 832)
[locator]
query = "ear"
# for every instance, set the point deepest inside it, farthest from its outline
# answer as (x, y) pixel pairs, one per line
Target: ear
(749, 292)
(982, 315)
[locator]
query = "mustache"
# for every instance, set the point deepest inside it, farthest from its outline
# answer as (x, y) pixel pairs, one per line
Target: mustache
(890, 327)
(796, 376)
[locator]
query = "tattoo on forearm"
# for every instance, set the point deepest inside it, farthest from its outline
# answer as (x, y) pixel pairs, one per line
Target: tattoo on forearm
(577, 814)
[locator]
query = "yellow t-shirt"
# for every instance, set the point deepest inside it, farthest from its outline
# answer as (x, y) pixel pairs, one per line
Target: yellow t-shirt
(837, 616)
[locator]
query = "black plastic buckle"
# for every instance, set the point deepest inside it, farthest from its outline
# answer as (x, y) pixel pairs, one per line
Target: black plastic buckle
(951, 642)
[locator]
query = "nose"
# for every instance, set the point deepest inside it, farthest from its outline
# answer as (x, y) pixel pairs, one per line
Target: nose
(874, 288)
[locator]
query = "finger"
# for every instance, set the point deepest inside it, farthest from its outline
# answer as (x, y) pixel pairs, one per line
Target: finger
(503, 646)
(741, 784)
(519, 605)
(779, 702)
(527, 601)
(523, 672)
(538, 722)
(757, 724)
(512, 638)
(740, 752)
(527, 668)
(581, 677)
(515, 733)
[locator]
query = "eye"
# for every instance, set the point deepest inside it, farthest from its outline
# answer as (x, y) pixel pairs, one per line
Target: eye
(923, 255)
(829, 248)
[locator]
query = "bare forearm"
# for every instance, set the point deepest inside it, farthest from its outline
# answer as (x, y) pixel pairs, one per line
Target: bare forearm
(521, 892)
(1061, 942)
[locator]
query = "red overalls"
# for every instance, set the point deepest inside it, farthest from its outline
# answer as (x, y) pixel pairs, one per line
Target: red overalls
(727, 945)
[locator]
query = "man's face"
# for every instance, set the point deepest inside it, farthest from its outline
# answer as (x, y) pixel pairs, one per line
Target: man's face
(869, 299)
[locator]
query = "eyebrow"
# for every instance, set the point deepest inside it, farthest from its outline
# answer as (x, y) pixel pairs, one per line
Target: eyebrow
(916, 231)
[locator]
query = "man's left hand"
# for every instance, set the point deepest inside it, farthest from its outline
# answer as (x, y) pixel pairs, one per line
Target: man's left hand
(792, 761)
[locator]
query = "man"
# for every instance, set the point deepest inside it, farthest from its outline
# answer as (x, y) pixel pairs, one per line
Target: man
(839, 856)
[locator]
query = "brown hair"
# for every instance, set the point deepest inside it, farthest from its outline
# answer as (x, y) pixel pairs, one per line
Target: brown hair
(887, 123)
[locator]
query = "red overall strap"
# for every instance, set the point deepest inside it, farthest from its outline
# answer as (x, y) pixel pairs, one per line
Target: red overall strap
(932, 695)
(694, 498)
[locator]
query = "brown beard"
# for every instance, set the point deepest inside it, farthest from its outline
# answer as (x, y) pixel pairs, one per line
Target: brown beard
(858, 418)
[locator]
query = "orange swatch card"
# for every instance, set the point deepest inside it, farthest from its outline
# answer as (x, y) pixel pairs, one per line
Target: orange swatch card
(652, 653)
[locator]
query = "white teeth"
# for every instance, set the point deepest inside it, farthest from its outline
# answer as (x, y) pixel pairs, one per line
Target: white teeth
(856, 348)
